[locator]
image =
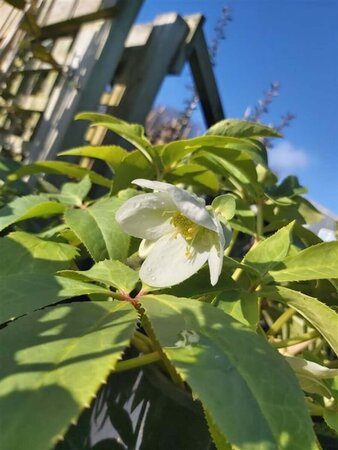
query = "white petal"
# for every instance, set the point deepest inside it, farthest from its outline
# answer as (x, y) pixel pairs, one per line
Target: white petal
(155, 185)
(187, 203)
(192, 207)
(145, 216)
(145, 247)
(168, 263)
(215, 262)
(215, 259)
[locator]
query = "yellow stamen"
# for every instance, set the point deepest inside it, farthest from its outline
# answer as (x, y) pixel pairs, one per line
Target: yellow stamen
(185, 226)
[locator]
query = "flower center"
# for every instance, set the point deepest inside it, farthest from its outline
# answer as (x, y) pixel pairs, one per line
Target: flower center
(185, 226)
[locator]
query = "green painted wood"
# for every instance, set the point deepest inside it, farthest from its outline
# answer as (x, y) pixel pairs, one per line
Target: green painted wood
(92, 61)
(151, 64)
(204, 78)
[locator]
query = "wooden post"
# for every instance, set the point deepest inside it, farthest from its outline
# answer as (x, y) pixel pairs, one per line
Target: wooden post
(92, 62)
(205, 81)
(149, 54)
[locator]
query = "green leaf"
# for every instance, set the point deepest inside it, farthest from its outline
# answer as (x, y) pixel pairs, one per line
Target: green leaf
(242, 128)
(333, 385)
(289, 187)
(320, 316)
(26, 253)
(8, 166)
(219, 440)
(199, 284)
(268, 253)
(241, 381)
(28, 207)
(134, 128)
(113, 155)
(61, 168)
(301, 210)
(234, 164)
(128, 193)
(77, 191)
(134, 166)
(98, 230)
(128, 133)
(26, 292)
(306, 236)
(225, 206)
(312, 385)
(194, 175)
(178, 150)
(331, 419)
(245, 218)
(175, 151)
(303, 366)
(307, 210)
(313, 263)
(73, 193)
(113, 273)
(53, 363)
(241, 305)
(310, 374)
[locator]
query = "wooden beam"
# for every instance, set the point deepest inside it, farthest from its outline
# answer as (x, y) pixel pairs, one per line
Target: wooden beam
(92, 62)
(195, 23)
(143, 69)
(204, 78)
(71, 26)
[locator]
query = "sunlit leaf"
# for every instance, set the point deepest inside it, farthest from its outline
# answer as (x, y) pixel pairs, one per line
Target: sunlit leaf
(227, 366)
(225, 206)
(320, 316)
(26, 292)
(26, 253)
(241, 305)
(134, 166)
(52, 365)
(232, 165)
(113, 155)
(61, 168)
(112, 273)
(242, 128)
(95, 117)
(28, 207)
(313, 263)
(331, 418)
(98, 230)
(268, 253)
(128, 133)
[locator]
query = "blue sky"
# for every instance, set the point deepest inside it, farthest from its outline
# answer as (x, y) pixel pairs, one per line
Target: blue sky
(294, 42)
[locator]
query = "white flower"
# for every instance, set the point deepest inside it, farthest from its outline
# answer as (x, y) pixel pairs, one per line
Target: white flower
(179, 234)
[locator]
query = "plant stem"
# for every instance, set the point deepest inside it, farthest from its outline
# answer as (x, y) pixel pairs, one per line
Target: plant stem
(295, 340)
(143, 338)
(142, 342)
(282, 319)
(332, 364)
(140, 361)
(228, 250)
(137, 343)
(260, 219)
(314, 408)
(237, 273)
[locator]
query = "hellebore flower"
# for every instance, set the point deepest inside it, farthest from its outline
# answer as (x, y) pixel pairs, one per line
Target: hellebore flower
(179, 234)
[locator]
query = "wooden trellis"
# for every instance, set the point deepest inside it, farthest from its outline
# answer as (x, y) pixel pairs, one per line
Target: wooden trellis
(96, 46)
